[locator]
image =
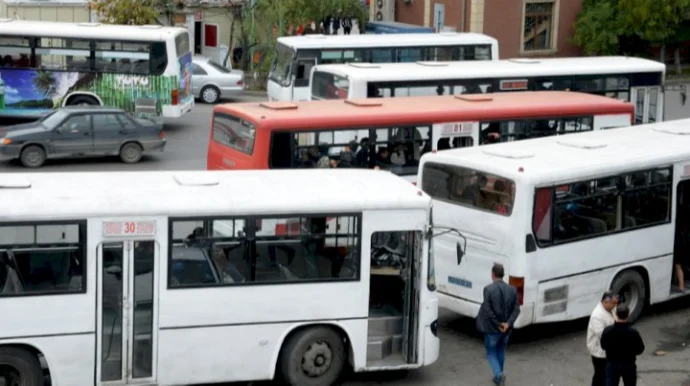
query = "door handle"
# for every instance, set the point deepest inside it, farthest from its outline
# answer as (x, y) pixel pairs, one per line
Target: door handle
(74, 131)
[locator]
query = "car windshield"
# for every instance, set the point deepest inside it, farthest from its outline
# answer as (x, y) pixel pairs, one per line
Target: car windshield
(218, 67)
(51, 121)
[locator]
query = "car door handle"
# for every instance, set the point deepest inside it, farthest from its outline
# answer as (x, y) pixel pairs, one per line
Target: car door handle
(74, 131)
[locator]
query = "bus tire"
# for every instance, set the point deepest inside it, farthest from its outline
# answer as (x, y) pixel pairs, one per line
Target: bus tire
(19, 367)
(210, 94)
(32, 156)
(313, 357)
(82, 100)
(131, 153)
(629, 285)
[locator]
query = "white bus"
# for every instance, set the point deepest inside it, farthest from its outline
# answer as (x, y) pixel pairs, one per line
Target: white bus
(629, 79)
(569, 217)
(295, 56)
(145, 70)
(130, 278)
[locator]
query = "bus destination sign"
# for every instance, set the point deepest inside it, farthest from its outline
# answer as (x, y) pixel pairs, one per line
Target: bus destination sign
(129, 228)
(514, 85)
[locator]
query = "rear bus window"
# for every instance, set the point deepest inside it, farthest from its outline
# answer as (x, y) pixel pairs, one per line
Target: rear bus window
(234, 132)
(329, 86)
(468, 187)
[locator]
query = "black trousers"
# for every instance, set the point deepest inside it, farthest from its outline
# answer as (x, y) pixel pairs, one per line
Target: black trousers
(616, 371)
(599, 377)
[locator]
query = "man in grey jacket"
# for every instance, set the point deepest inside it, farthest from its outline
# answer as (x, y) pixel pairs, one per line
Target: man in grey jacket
(495, 320)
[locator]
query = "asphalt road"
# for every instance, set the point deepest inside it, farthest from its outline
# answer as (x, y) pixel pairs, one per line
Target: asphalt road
(548, 355)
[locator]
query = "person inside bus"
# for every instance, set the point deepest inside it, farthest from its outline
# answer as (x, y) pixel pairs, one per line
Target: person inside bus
(398, 158)
(23, 61)
(383, 157)
(501, 205)
(491, 134)
(362, 155)
(681, 251)
(570, 225)
(412, 138)
(474, 192)
(8, 62)
(306, 160)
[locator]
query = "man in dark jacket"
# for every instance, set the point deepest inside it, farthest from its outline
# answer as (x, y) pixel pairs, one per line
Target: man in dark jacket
(496, 317)
(622, 344)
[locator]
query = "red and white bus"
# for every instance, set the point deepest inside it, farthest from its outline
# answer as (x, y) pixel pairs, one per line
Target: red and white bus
(393, 133)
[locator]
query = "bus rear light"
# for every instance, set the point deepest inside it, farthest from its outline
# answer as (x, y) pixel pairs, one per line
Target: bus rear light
(175, 97)
(240, 82)
(519, 284)
(161, 134)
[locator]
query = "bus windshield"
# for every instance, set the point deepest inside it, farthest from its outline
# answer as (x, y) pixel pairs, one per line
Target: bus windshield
(233, 132)
(470, 188)
(280, 69)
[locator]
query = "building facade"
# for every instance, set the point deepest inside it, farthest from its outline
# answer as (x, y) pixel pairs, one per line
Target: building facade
(73, 11)
(523, 28)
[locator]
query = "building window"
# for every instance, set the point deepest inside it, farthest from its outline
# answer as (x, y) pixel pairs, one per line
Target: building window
(539, 26)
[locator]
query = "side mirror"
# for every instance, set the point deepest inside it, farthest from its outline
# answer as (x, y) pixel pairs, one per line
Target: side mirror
(460, 253)
(58, 130)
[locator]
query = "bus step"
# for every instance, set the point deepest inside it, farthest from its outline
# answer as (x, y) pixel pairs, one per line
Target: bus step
(385, 325)
(379, 347)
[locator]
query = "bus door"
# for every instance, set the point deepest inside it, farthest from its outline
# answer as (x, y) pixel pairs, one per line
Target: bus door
(649, 104)
(127, 309)
(300, 84)
(453, 135)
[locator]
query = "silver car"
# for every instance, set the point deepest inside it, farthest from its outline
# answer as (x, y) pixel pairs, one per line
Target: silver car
(211, 81)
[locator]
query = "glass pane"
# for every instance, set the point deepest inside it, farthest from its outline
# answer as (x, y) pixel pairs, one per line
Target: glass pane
(142, 331)
(111, 325)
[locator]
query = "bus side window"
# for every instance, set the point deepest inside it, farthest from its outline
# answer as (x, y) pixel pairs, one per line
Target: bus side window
(541, 218)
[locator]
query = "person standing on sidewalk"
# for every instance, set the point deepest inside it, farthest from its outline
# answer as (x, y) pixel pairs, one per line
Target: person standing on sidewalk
(622, 344)
(601, 317)
(495, 320)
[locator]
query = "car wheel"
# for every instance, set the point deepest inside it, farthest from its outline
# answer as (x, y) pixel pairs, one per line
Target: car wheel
(131, 153)
(210, 94)
(33, 156)
(82, 101)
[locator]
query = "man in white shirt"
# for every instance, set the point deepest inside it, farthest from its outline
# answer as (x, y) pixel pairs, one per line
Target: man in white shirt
(601, 317)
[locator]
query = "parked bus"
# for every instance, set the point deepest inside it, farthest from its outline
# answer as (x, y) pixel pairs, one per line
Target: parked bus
(639, 81)
(393, 133)
(568, 217)
(114, 278)
(395, 27)
(145, 70)
(295, 56)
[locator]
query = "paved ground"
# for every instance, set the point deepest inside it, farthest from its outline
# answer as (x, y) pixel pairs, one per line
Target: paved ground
(549, 355)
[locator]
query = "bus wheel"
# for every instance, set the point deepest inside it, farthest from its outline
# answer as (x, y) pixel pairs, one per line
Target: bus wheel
(82, 101)
(210, 94)
(630, 287)
(130, 153)
(19, 367)
(313, 357)
(32, 156)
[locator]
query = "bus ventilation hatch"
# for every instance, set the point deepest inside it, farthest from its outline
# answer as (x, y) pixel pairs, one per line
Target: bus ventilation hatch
(581, 144)
(364, 102)
(363, 65)
(513, 154)
(474, 98)
(196, 179)
(675, 130)
(524, 61)
(432, 64)
(279, 105)
(14, 182)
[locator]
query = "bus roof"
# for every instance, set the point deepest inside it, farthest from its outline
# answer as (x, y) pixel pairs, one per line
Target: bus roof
(514, 68)
(86, 30)
(423, 110)
(561, 159)
(112, 194)
(385, 40)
